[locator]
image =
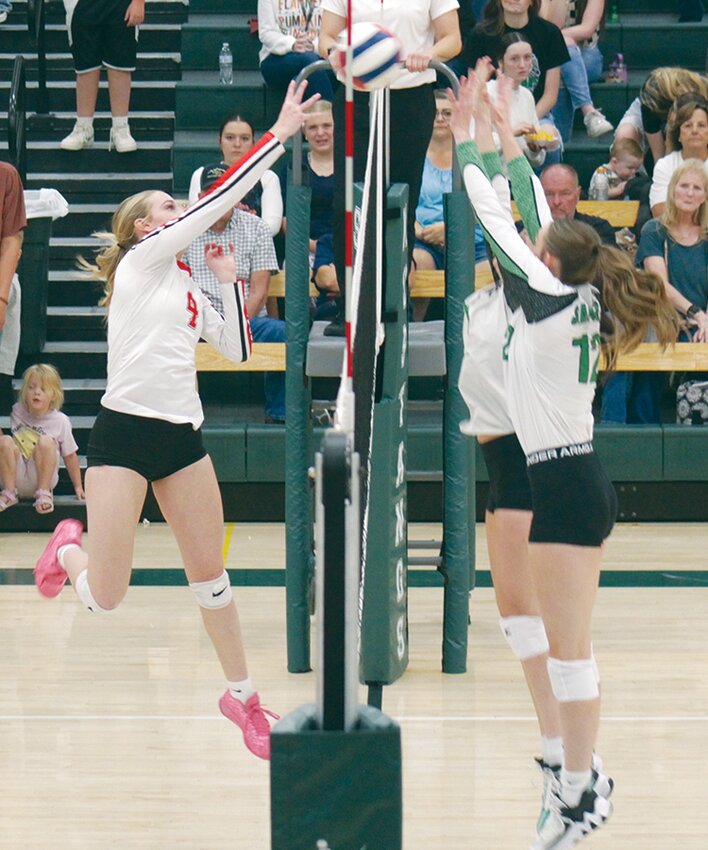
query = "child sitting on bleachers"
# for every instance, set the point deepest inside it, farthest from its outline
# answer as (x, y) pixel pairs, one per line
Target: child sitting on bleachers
(29, 459)
(626, 158)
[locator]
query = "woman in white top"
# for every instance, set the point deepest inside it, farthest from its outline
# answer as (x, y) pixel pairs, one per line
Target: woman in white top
(515, 60)
(550, 353)
(148, 426)
(288, 33)
(264, 199)
(428, 31)
(686, 138)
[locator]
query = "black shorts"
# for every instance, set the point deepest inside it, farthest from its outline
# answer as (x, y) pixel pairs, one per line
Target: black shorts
(573, 500)
(151, 447)
(99, 36)
(509, 486)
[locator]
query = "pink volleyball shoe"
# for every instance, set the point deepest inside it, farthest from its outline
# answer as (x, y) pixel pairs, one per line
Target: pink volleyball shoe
(49, 575)
(252, 721)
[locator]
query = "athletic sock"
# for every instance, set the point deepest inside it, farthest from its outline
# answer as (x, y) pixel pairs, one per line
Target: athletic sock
(62, 550)
(119, 121)
(87, 123)
(242, 690)
(552, 751)
(573, 783)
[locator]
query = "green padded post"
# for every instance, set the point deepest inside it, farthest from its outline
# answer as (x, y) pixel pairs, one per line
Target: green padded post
(299, 557)
(458, 450)
(384, 638)
(342, 789)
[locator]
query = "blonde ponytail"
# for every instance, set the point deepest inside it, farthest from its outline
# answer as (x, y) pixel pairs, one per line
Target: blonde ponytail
(120, 240)
(637, 301)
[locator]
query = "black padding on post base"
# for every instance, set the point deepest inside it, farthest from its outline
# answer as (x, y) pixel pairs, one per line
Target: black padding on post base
(340, 788)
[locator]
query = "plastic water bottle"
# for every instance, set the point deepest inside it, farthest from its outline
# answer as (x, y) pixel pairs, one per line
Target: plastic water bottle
(621, 68)
(601, 186)
(226, 65)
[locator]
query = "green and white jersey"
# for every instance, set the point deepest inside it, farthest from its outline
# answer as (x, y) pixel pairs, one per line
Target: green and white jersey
(552, 343)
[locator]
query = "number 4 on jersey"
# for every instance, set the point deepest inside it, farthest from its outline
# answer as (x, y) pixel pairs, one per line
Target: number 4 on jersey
(192, 309)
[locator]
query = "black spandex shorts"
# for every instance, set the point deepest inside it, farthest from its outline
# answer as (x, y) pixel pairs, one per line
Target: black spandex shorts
(574, 501)
(151, 447)
(100, 36)
(508, 476)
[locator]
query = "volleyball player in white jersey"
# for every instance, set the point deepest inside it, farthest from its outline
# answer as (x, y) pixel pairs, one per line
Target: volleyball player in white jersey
(552, 346)
(148, 428)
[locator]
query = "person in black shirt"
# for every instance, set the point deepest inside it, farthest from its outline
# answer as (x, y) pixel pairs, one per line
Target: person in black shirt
(562, 187)
(550, 51)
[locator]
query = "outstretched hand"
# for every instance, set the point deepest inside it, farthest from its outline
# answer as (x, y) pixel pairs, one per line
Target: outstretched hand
(292, 112)
(222, 264)
(499, 110)
(469, 103)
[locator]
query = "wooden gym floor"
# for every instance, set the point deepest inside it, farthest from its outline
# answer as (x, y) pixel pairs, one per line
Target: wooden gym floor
(110, 736)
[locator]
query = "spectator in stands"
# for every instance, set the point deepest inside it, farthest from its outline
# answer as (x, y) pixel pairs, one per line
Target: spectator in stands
(549, 50)
(429, 250)
(562, 188)
(686, 138)
(318, 174)
(289, 35)
(626, 157)
(5, 9)
(580, 21)
(675, 246)
(235, 139)
(428, 31)
(12, 224)
(515, 60)
(41, 434)
(103, 33)
(247, 238)
(646, 117)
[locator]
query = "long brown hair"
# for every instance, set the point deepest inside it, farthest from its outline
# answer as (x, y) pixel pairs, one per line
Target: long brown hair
(635, 298)
(121, 239)
(492, 22)
(637, 301)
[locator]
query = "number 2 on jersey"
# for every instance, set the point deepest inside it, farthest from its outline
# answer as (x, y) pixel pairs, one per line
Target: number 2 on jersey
(192, 309)
(587, 345)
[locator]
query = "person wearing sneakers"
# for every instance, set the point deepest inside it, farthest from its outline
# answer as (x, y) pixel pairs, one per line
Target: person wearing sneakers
(103, 33)
(580, 22)
(148, 428)
(552, 314)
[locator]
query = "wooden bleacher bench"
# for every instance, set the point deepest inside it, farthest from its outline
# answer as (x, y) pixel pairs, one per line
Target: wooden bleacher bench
(270, 357)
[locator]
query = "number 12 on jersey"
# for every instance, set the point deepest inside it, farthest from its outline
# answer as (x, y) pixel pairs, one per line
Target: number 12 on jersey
(589, 347)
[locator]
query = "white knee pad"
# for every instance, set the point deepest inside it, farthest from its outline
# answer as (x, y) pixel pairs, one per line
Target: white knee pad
(574, 681)
(215, 593)
(83, 591)
(525, 635)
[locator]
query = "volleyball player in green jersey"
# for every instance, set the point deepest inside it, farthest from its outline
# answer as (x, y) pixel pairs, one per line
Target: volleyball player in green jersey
(550, 352)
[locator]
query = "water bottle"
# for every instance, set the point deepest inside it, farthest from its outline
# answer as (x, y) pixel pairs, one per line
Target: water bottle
(621, 68)
(226, 65)
(601, 186)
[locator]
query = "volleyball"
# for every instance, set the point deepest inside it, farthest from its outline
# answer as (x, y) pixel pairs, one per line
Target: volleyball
(376, 54)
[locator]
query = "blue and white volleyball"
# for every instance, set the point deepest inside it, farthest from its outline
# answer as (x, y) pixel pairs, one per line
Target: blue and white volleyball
(376, 56)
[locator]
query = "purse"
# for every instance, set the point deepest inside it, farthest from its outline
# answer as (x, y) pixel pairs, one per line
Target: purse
(26, 440)
(692, 403)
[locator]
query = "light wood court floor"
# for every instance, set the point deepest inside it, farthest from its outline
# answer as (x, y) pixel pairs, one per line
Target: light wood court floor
(110, 735)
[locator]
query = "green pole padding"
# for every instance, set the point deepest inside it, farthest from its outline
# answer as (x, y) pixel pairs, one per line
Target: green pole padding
(299, 556)
(384, 636)
(342, 789)
(458, 450)
(33, 273)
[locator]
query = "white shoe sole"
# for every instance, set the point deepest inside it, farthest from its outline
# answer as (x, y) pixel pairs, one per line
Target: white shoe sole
(578, 831)
(72, 147)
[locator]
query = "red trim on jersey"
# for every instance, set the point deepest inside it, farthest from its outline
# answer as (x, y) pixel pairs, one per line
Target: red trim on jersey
(184, 267)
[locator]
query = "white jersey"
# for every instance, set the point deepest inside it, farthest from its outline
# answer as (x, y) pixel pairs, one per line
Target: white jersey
(158, 314)
(552, 344)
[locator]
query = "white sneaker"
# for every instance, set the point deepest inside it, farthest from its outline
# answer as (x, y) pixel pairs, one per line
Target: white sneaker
(564, 827)
(78, 139)
(596, 124)
(121, 140)
(3, 17)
